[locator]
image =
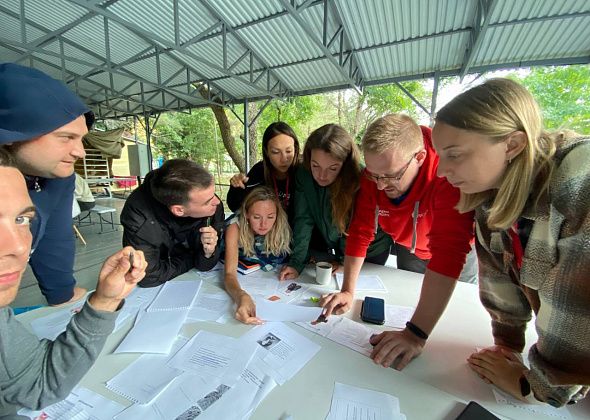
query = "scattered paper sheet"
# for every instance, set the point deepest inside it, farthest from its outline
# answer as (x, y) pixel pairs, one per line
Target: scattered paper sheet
(283, 351)
(541, 408)
(344, 331)
(278, 311)
(288, 291)
(178, 397)
(141, 297)
(52, 325)
(259, 283)
(397, 316)
(175, 295)
(241, 399)
(81, 404)
(153, 332)
(211, 306)
(146, 377)
(365, 282)
(353, 403)
(213, 355)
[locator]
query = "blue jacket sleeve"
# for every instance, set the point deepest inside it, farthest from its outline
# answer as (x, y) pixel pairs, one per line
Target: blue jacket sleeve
(53, 258)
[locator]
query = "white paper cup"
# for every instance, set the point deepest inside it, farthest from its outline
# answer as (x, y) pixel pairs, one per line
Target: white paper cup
(323, 273)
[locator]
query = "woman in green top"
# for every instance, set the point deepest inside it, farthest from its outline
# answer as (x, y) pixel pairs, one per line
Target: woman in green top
(325, 191)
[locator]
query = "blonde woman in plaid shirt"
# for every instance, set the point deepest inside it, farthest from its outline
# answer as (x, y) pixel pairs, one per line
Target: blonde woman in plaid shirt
(530, 190)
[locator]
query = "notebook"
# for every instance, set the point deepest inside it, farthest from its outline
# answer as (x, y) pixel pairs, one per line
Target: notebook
(146, 377)
(175, 295)
(247, 267)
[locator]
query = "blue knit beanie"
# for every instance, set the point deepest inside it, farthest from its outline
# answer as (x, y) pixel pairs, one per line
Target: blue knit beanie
(33, 104)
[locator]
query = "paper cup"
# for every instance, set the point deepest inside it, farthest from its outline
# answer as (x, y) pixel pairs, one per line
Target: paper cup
(323, 273)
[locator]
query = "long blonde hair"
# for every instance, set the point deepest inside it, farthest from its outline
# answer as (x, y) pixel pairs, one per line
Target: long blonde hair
(276, 241)
(335, 140)
(498, 108)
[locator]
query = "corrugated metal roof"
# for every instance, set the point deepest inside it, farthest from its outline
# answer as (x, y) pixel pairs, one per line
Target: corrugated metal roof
(275, 48)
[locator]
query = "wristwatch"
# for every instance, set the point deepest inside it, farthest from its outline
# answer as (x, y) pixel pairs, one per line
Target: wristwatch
(525, 386)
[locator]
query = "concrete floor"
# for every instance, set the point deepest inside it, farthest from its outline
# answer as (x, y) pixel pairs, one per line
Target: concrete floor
(89, 258)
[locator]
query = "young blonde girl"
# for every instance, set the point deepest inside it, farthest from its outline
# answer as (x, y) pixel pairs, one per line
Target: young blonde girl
(260, 233)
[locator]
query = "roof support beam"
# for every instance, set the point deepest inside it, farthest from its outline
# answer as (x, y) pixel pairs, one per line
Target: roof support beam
(412, 97)
(23, 27)
(245, 44)
(433, 99)
(176, 23)
(483, 14)
(123, 72)
(101, 68)
(157, 40)
(322, 43)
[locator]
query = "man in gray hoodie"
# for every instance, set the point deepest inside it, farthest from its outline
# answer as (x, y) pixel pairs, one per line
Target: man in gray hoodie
(33, 373)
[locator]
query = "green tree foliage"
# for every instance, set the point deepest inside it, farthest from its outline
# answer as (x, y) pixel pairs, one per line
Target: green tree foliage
(356, 112)
(191, 136)
(563, 94)
(300, 112)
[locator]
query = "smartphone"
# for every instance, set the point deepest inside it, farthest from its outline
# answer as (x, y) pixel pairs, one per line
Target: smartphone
(373, 310)
(474, 411)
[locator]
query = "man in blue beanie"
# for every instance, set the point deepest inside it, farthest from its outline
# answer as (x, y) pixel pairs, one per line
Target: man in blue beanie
(42, 124)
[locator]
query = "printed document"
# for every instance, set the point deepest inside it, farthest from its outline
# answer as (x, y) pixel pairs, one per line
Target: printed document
(241, 399)
(177, 398)
(397, 316)
(52, 325)
(278, 311)
(146, 377)
(216, 356)
(364, 283)
(259, 283)
(353, 403)
(344, 331)
(211, 306)
(283, 351)
(81, 404)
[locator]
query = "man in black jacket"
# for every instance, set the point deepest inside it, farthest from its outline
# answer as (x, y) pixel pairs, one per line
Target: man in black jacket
(176, 219)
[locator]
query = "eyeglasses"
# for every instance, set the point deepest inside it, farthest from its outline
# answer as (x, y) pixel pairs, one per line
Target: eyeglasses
(392, 178)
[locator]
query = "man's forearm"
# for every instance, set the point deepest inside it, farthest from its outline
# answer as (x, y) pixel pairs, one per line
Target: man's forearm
(352, 268)
(434, 297)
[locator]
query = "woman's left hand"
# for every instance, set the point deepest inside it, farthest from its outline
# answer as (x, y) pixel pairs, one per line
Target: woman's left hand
(501, 367)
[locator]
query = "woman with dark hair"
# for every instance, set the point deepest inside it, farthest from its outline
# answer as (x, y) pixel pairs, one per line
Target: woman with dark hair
(325, 191)
(280, 156)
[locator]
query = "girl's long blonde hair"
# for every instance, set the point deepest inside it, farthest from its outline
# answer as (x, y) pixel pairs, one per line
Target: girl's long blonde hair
(335, 140)
(498, 108)
(276, 241)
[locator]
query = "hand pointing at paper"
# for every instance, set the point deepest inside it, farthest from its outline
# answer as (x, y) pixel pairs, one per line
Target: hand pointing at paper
(246, 311)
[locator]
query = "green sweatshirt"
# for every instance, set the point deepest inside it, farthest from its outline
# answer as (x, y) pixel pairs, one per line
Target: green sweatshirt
(314, 208)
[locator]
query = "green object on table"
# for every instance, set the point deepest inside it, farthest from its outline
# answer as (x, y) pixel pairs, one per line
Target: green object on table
(315, 299)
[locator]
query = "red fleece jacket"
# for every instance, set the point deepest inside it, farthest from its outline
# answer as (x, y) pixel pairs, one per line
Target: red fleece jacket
(425, 221)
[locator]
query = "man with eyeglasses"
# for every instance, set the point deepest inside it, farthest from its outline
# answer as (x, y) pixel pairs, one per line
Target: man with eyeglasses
(401, 192)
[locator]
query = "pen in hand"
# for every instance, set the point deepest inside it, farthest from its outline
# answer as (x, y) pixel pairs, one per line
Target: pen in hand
(130, 261)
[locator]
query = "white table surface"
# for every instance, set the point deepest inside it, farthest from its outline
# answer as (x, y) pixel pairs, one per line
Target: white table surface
(436, 385)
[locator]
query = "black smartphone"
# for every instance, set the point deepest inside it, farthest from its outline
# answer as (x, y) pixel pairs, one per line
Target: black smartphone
(373, 310)
(474, 411)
